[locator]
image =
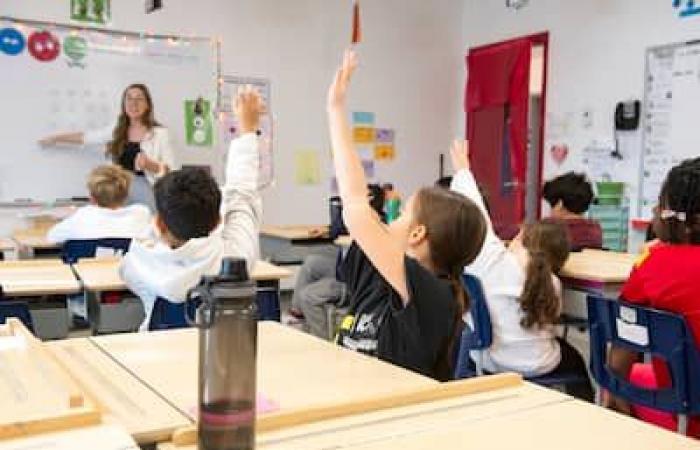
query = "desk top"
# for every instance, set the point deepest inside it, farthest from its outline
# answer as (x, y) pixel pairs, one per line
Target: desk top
(122, 397)
(102, 274)
(7, 244)
(37, 277)
(35, 237)
(293, 232)
(600, 266)
(296, 371)
(525, 417)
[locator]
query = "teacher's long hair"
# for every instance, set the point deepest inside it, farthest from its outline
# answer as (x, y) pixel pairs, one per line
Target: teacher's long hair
(120, 135)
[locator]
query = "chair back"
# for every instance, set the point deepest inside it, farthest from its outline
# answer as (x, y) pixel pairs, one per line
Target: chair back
(654, 333)
(478, 335)
(74, 250)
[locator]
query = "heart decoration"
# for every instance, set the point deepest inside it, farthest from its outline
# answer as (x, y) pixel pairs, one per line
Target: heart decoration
(559, 153)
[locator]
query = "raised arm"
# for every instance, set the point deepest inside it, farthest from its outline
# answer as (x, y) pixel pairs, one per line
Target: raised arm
(464, 183)
(361, 220)
(242, 204)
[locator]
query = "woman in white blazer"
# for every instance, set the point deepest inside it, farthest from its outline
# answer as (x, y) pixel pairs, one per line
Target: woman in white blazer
(138, 143)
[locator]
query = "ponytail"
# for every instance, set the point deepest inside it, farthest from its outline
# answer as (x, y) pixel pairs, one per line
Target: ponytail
(461, 295)
(539, 299)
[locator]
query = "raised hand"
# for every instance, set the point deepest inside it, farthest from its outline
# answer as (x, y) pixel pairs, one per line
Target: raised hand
(460, 155)
(337, 92)
(249, 107)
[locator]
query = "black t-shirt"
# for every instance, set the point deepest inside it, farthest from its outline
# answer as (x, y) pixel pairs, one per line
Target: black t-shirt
(127, 160)
(416, 336)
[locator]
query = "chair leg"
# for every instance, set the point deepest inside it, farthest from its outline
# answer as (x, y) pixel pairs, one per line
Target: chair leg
(480, 364)
(683, 424)
(330, 318)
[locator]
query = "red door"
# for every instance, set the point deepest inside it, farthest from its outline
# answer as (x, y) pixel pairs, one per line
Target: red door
(497, 99)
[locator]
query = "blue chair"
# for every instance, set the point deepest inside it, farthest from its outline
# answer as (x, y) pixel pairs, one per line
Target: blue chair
(480, 336)
(167, 315)
(652, 333)
(74, 250)
(17, 309)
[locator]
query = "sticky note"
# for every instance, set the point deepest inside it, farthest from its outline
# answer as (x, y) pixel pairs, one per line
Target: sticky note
(363, 118)
(384, 135)
(384, 152)
(363, 135)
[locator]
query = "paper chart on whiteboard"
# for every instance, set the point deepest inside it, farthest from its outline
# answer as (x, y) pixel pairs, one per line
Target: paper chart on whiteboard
(230, 86)
(672, 93)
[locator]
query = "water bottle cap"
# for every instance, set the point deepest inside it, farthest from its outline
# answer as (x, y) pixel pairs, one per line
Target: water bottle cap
(234, 269)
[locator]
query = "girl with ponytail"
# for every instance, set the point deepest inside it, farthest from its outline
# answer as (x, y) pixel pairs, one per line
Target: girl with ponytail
(522, 292)
(403, 279)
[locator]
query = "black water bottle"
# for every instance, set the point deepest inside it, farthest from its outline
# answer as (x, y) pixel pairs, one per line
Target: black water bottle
(227, 322)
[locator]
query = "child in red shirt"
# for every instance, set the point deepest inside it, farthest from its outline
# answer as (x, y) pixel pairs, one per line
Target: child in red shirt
(570, 195)
(666, 278)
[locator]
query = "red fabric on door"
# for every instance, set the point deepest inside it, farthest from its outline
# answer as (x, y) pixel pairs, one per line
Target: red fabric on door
(498, 77)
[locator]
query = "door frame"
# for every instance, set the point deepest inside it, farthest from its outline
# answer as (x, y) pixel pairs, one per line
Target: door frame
(542, 39)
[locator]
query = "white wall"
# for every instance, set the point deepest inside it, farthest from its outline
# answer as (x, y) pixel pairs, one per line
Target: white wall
(411, 74)
(596, 54)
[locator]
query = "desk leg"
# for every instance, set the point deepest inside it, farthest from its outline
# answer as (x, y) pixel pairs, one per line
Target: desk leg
(268, 300)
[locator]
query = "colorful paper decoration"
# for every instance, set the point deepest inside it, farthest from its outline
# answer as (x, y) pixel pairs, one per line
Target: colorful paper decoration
(363, 135)
(308, 170)
(12, 42)
(75, 48)
(199, 129)
(44, 46)
(363, 118)
(384, 135)
(356, 26)
(559, 153)
(384, 152)
(93, 11)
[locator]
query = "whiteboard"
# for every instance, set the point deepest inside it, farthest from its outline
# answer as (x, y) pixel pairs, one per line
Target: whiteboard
(74, 93)
(672, 123)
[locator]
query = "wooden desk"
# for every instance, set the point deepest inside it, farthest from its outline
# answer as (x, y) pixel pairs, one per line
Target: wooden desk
(597, 271)
(291, 244)
(8, 247)
(37, 277)
(293, 232)
(124, 399)
(31, 239)
(524, 418)
(295, 371)
(103, 437)
(102, 274)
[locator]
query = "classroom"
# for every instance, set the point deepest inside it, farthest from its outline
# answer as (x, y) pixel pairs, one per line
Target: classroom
(349, 224)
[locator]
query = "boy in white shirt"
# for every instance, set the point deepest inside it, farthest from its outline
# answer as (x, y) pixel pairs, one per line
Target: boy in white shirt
(106, 216)
(190, 207)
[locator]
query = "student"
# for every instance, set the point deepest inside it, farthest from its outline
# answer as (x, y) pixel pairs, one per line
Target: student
(522, 292)
(189, 208)
(106, 216)
(570, 195)
(318, 283)
(666, 278)
(403, 279)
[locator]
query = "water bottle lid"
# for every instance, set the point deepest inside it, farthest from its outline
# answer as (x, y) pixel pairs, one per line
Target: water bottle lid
(234, 269)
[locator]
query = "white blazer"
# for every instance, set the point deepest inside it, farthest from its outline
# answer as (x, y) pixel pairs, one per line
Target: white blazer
(156, 145)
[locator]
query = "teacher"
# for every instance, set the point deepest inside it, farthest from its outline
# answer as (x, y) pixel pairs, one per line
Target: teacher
(138, 143)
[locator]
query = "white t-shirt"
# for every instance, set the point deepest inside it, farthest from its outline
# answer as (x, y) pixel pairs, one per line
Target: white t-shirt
(95, 222)
(529, 351)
